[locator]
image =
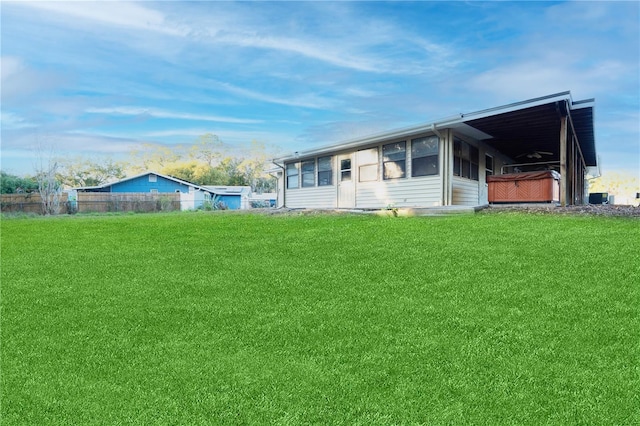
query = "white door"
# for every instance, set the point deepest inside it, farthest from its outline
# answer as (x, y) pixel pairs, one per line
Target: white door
(484, 186)
(483, 196)
(346, 186)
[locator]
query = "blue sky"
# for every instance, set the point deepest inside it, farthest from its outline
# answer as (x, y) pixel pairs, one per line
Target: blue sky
(99, 79)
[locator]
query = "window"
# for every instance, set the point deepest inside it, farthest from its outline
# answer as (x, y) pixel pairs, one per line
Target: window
(153, 178)
(465, 160)
(325, 171)
(394, 160)
(488, 165)
(368, 165)
(345, 169)
(292, 175)
(424, 156)
(308, 173)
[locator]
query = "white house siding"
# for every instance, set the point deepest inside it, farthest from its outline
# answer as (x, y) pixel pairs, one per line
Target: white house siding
(321, 197)
(412, 192)
(426, 191)
(191, 200)
(465, 192)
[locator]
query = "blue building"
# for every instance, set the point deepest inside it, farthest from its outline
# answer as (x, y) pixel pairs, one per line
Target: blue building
(230, 197)
(192, 196)
(146, 182)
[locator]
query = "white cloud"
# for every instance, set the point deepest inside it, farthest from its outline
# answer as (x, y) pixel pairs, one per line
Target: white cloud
(330, 70)
(226, 135)
(178, 132)
(119, 14)
(94, 143)
(68, 143)
(354, 47)
(307, 101)
(10, 66)
(629, 120)
(315, 50)
(361, 51)
(342, 36)
(159, 113)
(11, 121)
(19, 80)
(359, 92)
(523, 80)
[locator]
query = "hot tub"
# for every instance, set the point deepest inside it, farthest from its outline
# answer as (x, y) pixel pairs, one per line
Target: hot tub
(526, 187)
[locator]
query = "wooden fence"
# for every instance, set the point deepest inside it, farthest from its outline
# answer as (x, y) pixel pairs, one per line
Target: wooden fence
(28, 203)
(88, 202)
(126, 202)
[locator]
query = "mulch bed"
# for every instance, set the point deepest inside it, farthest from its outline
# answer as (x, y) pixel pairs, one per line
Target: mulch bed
(583, 210)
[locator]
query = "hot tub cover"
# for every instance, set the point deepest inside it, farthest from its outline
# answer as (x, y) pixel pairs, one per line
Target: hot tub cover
(510, 177)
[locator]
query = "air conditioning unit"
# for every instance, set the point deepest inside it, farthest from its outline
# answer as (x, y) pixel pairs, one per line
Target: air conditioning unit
(599, 198)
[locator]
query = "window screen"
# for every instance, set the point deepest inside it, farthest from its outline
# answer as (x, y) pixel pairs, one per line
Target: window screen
(424, 156)
(292, 175)
(325, 171)
(394, 160)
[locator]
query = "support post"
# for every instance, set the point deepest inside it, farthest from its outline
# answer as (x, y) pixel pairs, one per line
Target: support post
(449, 167)
(571, 169)
(564, 181)
(446, 161)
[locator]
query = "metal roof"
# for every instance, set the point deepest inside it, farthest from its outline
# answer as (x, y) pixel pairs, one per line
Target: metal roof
(515, 129)
(227, 190)
(518, 132)
(168, 177)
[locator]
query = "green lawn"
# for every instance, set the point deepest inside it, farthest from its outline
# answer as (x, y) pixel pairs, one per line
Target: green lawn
(199, 318)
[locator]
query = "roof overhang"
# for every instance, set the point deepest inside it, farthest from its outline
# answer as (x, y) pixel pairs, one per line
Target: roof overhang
(515, 130)
(526, 128)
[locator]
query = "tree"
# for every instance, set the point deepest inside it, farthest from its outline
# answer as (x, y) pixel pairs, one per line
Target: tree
(82, 171)
(228, 168)
(208, 148)
(253, 166)
(189, 171)
(155, 157)
(49, 185)
(622, 185)
(208, 162)
(12, 184)
(213, 176)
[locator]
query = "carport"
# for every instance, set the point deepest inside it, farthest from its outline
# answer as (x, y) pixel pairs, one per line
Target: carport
(551, 132)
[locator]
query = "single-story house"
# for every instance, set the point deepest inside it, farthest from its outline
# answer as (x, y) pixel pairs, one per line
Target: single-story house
(451, 161)
(192, 196)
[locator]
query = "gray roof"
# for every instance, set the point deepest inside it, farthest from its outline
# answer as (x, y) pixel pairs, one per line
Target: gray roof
(220, 190)
(106, 185)
(513, 129)
(227, 190)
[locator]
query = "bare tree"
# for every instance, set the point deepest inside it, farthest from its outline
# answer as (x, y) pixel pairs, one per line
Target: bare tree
(49, 186)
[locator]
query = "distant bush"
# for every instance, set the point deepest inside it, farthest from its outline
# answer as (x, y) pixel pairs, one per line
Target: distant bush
(260, 204)
(215, 204)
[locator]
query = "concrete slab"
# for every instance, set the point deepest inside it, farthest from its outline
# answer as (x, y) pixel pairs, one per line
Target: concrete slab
(430, 211)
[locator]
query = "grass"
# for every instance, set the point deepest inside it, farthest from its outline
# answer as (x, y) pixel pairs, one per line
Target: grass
(239, 319)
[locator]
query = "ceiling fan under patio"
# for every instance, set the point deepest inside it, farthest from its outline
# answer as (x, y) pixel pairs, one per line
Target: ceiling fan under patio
(535, 154)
